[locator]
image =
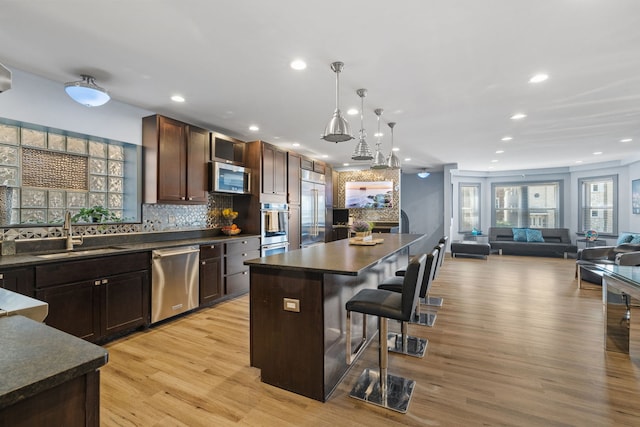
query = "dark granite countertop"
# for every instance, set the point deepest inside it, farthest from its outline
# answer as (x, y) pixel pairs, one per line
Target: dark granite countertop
(35, 357)
(337, 257)
(113, 245)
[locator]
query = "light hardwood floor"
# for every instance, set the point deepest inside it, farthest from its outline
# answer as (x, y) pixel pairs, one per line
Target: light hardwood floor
(516, 343)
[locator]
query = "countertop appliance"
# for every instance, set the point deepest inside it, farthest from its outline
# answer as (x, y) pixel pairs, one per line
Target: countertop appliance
(312, 209)
(274, 228)
(174, 281)
(225, 178)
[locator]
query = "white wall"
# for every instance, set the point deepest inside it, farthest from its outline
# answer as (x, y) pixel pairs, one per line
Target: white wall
(36, 100)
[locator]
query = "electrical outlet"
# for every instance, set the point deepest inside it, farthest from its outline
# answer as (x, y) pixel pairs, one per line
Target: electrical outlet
(291, 304)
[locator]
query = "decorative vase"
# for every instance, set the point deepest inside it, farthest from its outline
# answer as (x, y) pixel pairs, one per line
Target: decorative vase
(362, 234)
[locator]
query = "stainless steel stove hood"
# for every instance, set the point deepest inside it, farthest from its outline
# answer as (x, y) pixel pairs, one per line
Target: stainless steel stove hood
(5, 78)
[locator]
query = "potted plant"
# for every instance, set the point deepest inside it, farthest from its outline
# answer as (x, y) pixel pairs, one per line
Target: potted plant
(361, 228)
(95, 214)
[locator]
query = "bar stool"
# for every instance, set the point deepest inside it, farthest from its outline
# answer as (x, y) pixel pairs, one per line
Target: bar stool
(401, 343)
(437, 301)
(379, 387)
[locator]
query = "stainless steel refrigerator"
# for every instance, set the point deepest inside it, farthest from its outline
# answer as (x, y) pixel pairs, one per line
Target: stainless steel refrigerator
(312, 209)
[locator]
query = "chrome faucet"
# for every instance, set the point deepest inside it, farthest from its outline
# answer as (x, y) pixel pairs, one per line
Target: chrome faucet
(67, 232)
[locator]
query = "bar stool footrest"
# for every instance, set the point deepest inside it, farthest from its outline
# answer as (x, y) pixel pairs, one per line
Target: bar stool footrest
(415, 347)
(426, 319)
(399, 390)
(433, 301)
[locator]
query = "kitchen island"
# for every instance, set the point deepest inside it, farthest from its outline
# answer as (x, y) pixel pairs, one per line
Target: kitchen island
(298, 317)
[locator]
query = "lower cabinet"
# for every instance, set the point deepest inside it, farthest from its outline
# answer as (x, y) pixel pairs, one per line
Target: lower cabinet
(236, 274)
(18, 280)
(95, 299)
(210, 273)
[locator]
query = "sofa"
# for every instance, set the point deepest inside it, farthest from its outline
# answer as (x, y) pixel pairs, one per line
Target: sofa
(549, 242)
(625, 252)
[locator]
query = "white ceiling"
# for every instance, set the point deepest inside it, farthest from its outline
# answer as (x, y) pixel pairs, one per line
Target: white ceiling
(449, 72)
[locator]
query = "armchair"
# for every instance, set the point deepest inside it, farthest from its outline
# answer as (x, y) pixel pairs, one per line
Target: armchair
(624, 254)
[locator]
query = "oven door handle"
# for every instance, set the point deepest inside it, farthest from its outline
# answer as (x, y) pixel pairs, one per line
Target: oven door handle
(275, 245)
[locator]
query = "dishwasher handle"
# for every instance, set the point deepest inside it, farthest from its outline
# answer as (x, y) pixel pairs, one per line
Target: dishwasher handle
(173, 252)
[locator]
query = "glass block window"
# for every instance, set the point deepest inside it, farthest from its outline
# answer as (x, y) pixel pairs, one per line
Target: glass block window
(64, 172)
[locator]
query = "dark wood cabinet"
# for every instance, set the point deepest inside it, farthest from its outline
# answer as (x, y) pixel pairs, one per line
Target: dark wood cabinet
(175, 161)
(274, 170)
(236, 274)
(95, 299)
(210, 273)
(226, 149)
(339, 233)
(18, 280)
(294, 227)
(293, 178)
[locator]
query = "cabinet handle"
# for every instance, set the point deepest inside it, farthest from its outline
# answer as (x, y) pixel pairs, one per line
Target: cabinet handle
(96, 283)
(244, 273)
(105, 281)
(1, 276)
(203, 262)
(190, 198)
(213, 246)
(244, 254)
(181, 198)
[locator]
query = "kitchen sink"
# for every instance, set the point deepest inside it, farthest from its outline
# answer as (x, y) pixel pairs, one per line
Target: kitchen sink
(81, 252)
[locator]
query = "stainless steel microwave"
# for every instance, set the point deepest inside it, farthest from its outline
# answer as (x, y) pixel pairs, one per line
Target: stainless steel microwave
(224, 178)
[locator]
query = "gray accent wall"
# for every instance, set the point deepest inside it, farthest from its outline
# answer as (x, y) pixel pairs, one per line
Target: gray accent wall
(423, 202)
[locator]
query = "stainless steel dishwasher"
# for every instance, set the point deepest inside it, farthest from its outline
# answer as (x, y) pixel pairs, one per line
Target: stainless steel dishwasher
(174, 281)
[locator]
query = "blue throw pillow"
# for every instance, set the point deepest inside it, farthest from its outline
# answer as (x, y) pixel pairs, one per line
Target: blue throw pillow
(624, 238)
(635, 240)
(534, 236)
(519, 234)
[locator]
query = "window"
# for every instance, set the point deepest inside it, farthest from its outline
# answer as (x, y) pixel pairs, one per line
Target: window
(535, 205)
(598, 204)
(469, 203)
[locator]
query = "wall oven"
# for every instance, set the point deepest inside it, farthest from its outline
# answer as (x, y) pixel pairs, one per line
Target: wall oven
(273, 249)
(274, 227)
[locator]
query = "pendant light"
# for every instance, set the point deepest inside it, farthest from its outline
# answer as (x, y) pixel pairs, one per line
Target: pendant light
(362, 151)
(337, 129)
(379, 161)
(393, 162)
(87, 92)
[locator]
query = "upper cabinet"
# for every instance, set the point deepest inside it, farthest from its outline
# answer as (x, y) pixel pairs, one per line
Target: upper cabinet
(175, 161)
(274, 170)
(226, 149)
(293, 179)
(313, 165)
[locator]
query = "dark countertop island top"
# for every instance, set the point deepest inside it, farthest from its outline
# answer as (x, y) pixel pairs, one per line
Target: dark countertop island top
(35, 357)
(337, 257)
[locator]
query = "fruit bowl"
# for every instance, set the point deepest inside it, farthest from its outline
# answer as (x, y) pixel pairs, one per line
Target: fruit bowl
(231, 231)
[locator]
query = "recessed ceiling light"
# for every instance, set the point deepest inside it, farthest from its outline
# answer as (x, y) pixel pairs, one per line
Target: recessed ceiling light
(254, 128)
(298, 64)
(378, 135)
(296, 144)
(518, 116)
(395, 149)
(345, 164)
(507, 138)
(324, 156)
(578, 161)
(499, 151)
(626, 140)
(597, 152)
(408, 159)
(538, 78)
(490, 167)
(352, 111)
(494, 161)
(177, 98)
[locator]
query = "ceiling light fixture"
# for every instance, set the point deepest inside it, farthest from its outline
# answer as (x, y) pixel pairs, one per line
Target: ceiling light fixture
(499, 151)
(298, 64)
(254, 128)
(626, 140)
(379, 161)
(362, 151)
(597, 153)
(87, 92)
(423, 174)
(177, 98)
(539, 78)
(518, 116)
(337, 129)
(507, 138)
(352, 111)
(393, 162)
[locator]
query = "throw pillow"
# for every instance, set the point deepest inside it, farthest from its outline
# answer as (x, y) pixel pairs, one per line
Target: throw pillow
(635, 240)
(519, 234)
(534, 236)
(624, 238)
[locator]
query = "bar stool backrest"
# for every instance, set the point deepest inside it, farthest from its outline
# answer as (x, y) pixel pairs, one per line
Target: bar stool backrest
(444, 241)
(410, 286)
(429, 270)
(440, 248)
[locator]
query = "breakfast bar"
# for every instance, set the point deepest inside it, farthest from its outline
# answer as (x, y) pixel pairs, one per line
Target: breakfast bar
(298, 317)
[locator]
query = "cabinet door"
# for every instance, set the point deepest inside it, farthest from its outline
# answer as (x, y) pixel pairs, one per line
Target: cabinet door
(293, 179)
(74, 308)
(268, 164)
(18, 280)
(125, 302)
(172, 163)
(198, 155)
(280, 172)
(210, 280)
(294, 227)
